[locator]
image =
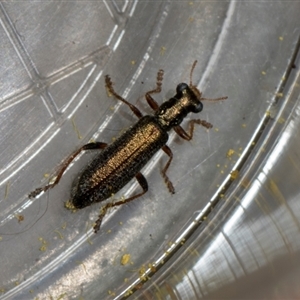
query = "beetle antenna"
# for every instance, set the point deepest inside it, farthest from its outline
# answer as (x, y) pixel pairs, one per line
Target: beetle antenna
(214, 100)
(192, 70)
(191, 85)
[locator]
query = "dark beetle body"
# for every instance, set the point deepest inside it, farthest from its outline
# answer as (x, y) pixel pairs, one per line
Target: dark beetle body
(123, 160)
(119, 162)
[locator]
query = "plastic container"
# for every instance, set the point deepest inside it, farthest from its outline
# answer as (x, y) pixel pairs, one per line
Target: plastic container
(223, 232)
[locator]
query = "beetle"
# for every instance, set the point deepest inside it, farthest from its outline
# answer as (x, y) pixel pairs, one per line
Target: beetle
(123, 160)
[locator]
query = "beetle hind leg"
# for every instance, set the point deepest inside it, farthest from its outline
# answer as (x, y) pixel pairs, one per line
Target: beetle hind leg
(65, 164)
(142, 182)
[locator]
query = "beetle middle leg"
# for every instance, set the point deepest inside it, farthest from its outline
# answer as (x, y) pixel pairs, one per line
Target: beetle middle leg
(65, 164)
(152, 103)
(188, 136)
(168, 182)
(143, 183)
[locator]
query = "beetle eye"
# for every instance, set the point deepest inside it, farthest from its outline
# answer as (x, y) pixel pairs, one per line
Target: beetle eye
(181, 87)
(197, 108)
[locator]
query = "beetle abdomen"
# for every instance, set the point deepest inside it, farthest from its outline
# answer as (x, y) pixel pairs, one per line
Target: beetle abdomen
(119, 162)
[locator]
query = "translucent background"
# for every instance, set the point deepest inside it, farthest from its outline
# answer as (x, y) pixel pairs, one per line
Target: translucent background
(54, 56)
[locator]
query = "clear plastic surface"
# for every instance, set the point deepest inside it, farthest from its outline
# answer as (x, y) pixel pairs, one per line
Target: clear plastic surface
(231, 231)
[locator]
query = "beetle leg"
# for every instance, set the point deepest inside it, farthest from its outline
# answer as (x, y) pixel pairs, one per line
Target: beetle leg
(65, 164)
(152, 103)
(143, 183)
(188, 136)
(109, 86)
(168, 182)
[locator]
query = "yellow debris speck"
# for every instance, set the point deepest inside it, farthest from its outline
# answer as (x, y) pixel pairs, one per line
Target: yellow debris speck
(230, 152)
(7, 187)
(69, 205)
(234, 174)
(20, 218)
(142, 274)
(43, 248)
(152, 267)
(111, 293)
(125, 259)
(162, 50)
(59, 234)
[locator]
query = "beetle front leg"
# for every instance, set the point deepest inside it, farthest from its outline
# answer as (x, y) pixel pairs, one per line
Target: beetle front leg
(188, 136)
(110, 89)
(152, 103)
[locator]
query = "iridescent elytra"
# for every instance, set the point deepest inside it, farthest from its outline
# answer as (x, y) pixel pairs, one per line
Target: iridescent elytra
(121, 161)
